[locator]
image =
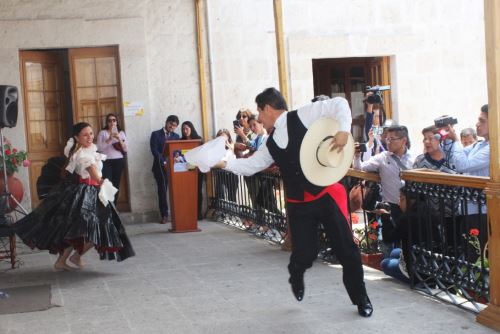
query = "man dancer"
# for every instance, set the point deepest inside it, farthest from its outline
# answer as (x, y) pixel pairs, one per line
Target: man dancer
(308, 204)
(157, 145)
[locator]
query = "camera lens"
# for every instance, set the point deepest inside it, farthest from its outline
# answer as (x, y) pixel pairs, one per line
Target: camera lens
(373, 99)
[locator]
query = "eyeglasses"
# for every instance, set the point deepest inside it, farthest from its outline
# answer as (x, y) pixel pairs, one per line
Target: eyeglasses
(392, 138)
(243, 116)
(112, 120)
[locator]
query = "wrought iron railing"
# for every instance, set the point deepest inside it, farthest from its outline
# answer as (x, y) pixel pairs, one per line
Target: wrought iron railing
(444, 262)
(255, 203)
(449, 237)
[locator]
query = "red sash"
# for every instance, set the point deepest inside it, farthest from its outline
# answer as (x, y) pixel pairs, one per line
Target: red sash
(88, 181)
(336, 192)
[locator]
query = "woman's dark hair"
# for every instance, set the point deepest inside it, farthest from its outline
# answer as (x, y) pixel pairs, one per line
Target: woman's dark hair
(272, 97)
(77, 128)
(194, 133)
(106, 126)
(227, 133)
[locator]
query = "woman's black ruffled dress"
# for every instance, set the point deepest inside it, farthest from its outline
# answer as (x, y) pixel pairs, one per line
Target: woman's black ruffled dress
(70, 215)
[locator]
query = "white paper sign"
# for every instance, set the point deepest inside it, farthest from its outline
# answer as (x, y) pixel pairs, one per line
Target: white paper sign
(135, 108)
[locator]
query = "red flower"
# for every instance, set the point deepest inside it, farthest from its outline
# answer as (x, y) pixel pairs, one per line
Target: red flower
(374, 225)
(372, 236)
(14, 150)
(8, 152)
(14, 161)
(474, 232)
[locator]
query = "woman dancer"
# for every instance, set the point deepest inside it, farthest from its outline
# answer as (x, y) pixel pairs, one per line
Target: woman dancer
(73, 217)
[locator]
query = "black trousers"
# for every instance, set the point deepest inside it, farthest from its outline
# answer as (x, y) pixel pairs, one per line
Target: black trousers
(112, 170)
(162, 184)
(304, 219)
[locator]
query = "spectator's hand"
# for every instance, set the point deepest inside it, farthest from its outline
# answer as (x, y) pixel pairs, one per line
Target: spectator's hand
(451, 133)
(339, 140)
(239, 132)
(357, 152)
(240, 146)
(369, 106)
(273, 169)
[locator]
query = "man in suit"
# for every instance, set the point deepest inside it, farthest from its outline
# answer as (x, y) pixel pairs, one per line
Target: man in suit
(157, 144)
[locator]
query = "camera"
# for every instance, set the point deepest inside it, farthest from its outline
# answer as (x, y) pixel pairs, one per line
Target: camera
(383, 206)
(376, 98)
(444, 121)
(362, 147)
(236, 124)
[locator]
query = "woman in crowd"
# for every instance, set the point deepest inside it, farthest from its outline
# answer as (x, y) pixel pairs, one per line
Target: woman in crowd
(73, 218)
(188, 133)
(112, 142)
(243, 132)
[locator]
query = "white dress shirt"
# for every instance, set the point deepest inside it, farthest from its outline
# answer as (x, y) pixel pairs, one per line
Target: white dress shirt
(336, 108)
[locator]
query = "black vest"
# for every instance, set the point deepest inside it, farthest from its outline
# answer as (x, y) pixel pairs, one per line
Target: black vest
(288, 159)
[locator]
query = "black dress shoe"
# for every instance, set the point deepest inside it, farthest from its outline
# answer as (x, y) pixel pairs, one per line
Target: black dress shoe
(365, 308)
(297, 283)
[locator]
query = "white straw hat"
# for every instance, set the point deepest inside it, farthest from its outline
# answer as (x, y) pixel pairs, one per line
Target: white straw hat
(321, 166)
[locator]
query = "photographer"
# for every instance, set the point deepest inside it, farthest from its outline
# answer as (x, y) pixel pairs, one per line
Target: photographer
(389, 164)
(473, 159)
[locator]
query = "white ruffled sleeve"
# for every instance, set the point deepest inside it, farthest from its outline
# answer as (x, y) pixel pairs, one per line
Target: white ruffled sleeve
(83, 159)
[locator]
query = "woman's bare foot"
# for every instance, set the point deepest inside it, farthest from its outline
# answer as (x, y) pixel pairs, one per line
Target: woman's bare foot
(77, 260)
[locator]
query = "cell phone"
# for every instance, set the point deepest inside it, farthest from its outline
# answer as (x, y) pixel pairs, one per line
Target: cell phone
(236, 124)
(362, 147)
(114, 129)
(377, 130)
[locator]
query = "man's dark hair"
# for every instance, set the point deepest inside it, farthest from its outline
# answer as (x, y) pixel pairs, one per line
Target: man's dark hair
(253, 118)
(272, 97)
(402, 132)
(173, 118)
(485, 109)
(431, 128)
(320, 98)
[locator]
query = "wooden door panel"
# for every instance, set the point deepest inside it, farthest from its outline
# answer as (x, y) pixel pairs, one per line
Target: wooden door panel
(96, 92)
(43, 93)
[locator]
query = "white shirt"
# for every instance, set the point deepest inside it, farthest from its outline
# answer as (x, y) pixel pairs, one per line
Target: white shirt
(336, 108)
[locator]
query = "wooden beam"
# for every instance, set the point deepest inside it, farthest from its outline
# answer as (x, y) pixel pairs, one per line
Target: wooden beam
(278, 23)
(490, 316)
(202, 81)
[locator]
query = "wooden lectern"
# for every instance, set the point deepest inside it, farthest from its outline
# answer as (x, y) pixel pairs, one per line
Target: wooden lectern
(182, 186)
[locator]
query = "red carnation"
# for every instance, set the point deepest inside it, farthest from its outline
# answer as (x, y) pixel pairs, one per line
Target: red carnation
(474, 232)
(14, 150)
(8, 152)
(374, 225)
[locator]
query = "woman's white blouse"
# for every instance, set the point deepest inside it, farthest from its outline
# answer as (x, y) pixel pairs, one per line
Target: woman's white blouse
(84, 158)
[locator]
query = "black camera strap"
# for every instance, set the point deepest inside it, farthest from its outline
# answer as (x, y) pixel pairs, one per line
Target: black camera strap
(398, 162)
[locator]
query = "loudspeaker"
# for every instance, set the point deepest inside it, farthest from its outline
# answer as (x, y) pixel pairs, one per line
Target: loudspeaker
(8, 106)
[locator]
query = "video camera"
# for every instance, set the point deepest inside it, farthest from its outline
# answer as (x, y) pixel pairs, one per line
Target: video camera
(376, 98)
(444, 121)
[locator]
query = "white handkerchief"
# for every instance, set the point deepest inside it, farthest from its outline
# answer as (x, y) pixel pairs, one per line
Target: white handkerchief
(207, 155)
(107, 192)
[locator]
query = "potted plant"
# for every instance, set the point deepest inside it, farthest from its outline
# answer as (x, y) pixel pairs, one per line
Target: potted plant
(13, 159)
(367, 238)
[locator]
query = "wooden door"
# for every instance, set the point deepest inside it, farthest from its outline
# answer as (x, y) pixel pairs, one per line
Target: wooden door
(380, 75)
(43, 96)
(96, 91)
